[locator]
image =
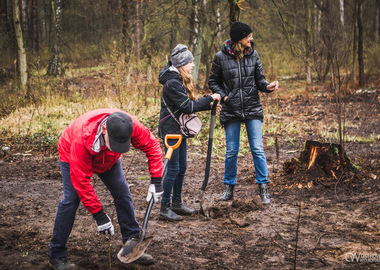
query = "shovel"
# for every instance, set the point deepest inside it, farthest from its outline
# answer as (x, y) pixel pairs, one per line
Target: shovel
(135, 247)
(208, 160)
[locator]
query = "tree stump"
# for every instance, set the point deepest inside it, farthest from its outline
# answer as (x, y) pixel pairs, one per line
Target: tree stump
(317, 155)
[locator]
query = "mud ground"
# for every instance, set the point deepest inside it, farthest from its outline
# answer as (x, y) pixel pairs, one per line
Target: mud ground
(313, 222)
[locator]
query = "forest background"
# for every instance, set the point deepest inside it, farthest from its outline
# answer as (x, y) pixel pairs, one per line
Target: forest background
(61, 58)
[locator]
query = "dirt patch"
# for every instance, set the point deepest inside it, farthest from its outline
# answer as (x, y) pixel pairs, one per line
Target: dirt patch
(241, 234)
(336, 218)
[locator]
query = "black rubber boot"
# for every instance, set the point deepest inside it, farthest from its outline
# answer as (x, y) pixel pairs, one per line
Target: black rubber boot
(167, 214)
(180, 209)
(228, 193)
(264, 194)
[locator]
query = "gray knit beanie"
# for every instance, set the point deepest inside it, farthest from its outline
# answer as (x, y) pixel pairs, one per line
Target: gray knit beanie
(181, 56)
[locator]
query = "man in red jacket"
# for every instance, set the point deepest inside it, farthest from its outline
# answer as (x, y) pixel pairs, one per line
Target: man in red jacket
(93, 143)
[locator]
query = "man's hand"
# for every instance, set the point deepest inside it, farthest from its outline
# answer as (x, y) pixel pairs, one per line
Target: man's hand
(104, 223)
(155, 189)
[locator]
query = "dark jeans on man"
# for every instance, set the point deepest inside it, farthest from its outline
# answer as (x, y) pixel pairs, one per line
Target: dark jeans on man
(115, 181)
(175, 173)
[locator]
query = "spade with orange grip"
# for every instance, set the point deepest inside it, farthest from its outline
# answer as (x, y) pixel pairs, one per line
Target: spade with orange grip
(135, 247)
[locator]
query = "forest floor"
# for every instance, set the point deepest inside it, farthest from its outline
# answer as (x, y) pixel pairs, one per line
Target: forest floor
(313, 222)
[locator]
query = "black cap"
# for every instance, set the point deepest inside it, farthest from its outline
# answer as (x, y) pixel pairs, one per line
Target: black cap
(119, 129)
(239, 31)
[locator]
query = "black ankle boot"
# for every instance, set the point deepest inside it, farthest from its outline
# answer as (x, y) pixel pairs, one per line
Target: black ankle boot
(264, 194)
(228, 193)
(180, 209)
(167, 214)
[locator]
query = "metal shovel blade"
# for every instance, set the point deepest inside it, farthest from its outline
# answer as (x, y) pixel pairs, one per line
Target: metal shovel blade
(133, 249)
(203, 206)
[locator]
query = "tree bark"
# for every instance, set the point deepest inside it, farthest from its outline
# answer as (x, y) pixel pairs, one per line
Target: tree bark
(218, 22)
(10, 18)
(308, 41)
(377, 23)
(197, 38)
(46, 23)
(34, 18)
(126, 39)
(327, 157)
(175, 28)
(360, 42)
(25, 21)
(234, 14)
(341, 11)
(53, 67)
(354, 42)
(214, 34)
(138, 28)
(3, 15)
(192, 25)
(22, 64)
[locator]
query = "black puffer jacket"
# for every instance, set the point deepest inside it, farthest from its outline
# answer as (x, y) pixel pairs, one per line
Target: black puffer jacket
(240, 81)
(176, 98)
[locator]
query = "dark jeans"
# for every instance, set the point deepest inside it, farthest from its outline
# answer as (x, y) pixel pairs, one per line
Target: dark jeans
(175, 173)
(115, 181)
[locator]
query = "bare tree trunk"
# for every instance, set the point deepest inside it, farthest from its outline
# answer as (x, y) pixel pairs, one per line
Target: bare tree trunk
(341, 11)
(354, 44)
(319, 16)
(53, 67)
(46, 18)
(25, 21)
(3, 15)
(308, 41)
(126, 40)
(53, 21)
(218, 22)
(208, 43)
(6, 27)
(197, 40)
(360, 42)
(234, 14)
(138, 28)
(174, 30)
(10, 17)
(377, 27)
(22, 64)
(34, 19)
(192, 22)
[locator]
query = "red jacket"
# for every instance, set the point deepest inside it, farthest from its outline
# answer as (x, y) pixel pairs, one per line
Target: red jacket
(74, 147)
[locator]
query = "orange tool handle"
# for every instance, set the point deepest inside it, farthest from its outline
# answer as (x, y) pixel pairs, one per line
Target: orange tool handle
(172, 147)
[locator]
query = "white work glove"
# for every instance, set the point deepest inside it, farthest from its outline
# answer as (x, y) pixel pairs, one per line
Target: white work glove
(104, 223)
(155, 189)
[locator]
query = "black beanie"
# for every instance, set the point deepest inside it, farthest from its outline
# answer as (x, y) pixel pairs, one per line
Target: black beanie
(239, 31)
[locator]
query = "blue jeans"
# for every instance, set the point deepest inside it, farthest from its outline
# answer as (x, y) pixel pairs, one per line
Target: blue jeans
(115, 181)
(255, 138)
(175, 173)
